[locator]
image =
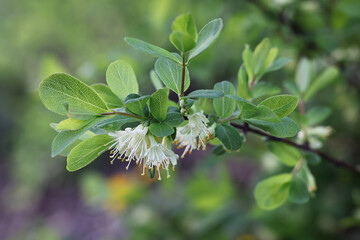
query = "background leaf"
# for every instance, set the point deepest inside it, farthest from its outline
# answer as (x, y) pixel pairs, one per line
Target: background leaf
(243, 90)
(271, 193)
(260, 55)
(326, 78)
(298, 191)
(287, 154)
(156, 80)
(303, 74)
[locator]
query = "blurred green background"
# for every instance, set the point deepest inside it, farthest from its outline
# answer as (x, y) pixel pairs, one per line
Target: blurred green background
(208, 197)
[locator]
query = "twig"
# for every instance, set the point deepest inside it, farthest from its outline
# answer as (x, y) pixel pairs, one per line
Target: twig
(305, 147)
(183, 76)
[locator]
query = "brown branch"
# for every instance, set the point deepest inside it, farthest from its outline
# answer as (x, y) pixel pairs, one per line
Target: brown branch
(183, 76)
(339, 163)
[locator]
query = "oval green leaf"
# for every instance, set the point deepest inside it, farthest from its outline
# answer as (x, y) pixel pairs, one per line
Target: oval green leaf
(224, 107)
(271, 193)
(206, 36)
(170, 73)
(159, 104)
(87, 151)
(150, 49)
(121, 79)
(282, 105)
(60, 91)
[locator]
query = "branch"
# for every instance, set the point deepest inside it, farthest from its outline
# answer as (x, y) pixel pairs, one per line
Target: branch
(339, 163)
(183, 76)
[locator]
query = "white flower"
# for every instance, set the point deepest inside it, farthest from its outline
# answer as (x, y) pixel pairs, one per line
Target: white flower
(314, 135)
(194, 134)
(139, 146)
(130, 144)
(159, 156)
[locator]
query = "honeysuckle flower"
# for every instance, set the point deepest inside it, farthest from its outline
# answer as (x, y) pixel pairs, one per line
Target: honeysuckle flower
(194, 134)
(159, 156)
(130, 144)
(314, 135)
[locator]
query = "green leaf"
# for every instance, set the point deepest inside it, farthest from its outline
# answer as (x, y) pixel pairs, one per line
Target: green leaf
(288, 155)
(243, 90)
(111, 100)
(72, 124)
(265, 89)
(87, 151)
(219, 150)
(260, 55)
(262, 113)
(182, 41)
(284, 129)
(171, 73)
(292, 88)
(150, 49)
(205, 93)
(307, 177)
(303, 74)
(156, 80)
(185, 23)
(282, 105)
(63, 139)
(135, 103)
(158, 104)
(249, 63)
(184, 33)
(312, 158)
(270, 59)
(298, 191)
(317, 115)
(224, 107)
(250, 111)
(271, 193)
(326, 78)
(121, 79)
(279, 63)
(161, 129)
(174, 119)
(229, 137)
(115, 123)
(206, 36)
(60, 91)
